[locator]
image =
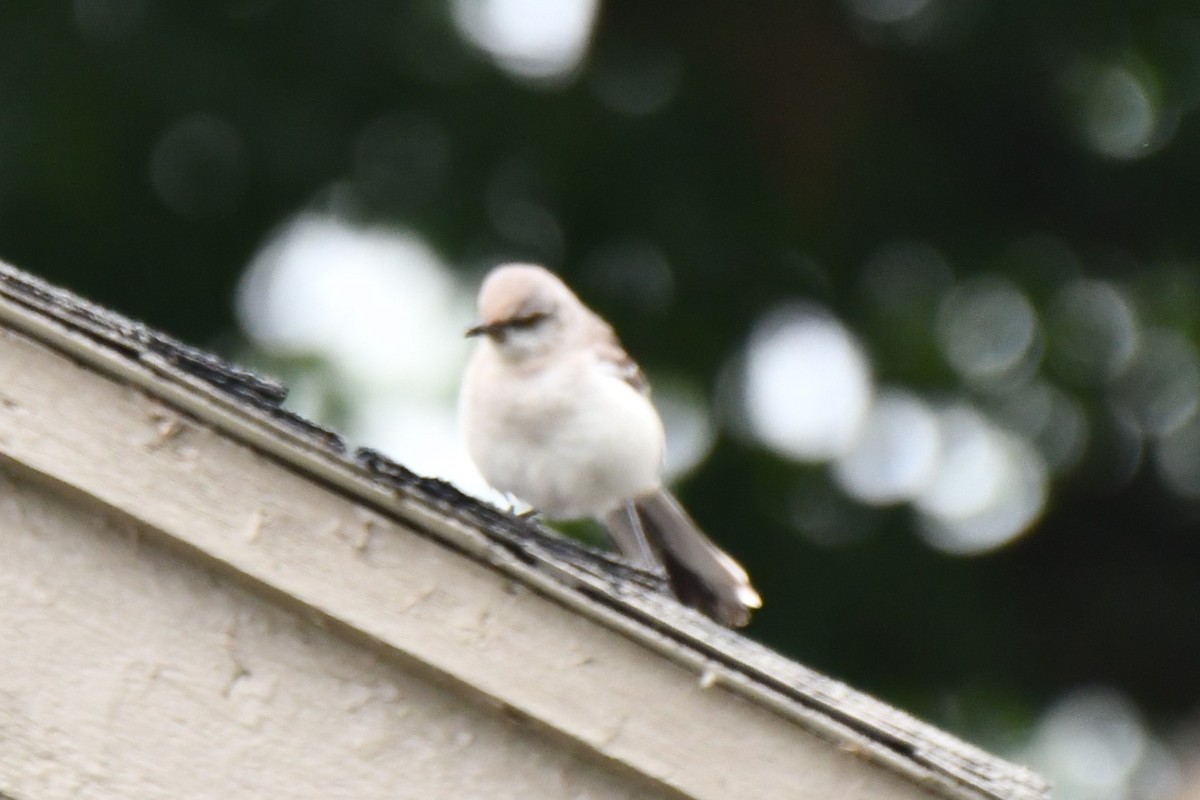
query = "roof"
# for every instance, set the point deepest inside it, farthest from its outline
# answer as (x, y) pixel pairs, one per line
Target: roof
(248, 408)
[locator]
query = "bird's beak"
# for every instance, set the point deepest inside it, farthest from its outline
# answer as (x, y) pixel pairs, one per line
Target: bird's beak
(482, 329)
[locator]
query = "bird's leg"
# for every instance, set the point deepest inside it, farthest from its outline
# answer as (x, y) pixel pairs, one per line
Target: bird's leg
(515, 508)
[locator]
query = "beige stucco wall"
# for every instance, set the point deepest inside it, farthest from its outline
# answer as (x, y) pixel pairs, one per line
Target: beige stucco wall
(127, 672)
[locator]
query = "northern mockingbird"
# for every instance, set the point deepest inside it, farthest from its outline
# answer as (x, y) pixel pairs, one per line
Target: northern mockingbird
(555, 413)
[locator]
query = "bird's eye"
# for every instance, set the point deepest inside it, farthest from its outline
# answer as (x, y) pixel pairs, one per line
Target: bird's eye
(527, 321)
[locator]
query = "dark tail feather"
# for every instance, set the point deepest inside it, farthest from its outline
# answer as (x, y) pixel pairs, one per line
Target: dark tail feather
(701, 574)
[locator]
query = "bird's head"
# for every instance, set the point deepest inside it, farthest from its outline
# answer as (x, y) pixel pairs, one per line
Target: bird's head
(523, 310)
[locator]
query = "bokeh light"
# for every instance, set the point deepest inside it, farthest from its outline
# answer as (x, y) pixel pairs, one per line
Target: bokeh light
(198, 167)
(1161, 388)
(631, 272)
(1094, 743)
(1178, 459)
(378, 304)
(905, 278)
(976, 485)
(518, 212)
(542, 40)
(1054, 421)
(807, 383)
(1095, 331)
(1119, 113)
(420, 432)
(687, 421)
(893, 458)
(636, 82)
(988, 485)
(986, 328)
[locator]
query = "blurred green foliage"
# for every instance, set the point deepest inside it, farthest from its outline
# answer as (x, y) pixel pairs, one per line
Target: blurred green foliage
(791, 144)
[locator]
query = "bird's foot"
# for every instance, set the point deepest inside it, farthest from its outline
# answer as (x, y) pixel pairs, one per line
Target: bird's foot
(520, 510)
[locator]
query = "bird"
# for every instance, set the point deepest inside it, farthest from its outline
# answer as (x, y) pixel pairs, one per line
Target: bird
(555, 413)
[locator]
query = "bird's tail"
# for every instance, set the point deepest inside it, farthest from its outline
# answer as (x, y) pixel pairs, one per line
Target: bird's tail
(654, 527)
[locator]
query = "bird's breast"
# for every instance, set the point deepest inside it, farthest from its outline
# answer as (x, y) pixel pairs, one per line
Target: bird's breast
(570, 442)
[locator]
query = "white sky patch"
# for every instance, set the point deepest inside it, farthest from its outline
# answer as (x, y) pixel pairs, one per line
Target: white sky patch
(378, 304)
(807, 384)
(541, 40)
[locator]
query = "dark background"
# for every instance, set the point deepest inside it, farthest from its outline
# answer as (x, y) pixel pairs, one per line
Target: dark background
(796, 141)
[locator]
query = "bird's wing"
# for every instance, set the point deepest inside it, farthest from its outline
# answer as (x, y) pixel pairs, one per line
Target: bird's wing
(613, 356)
